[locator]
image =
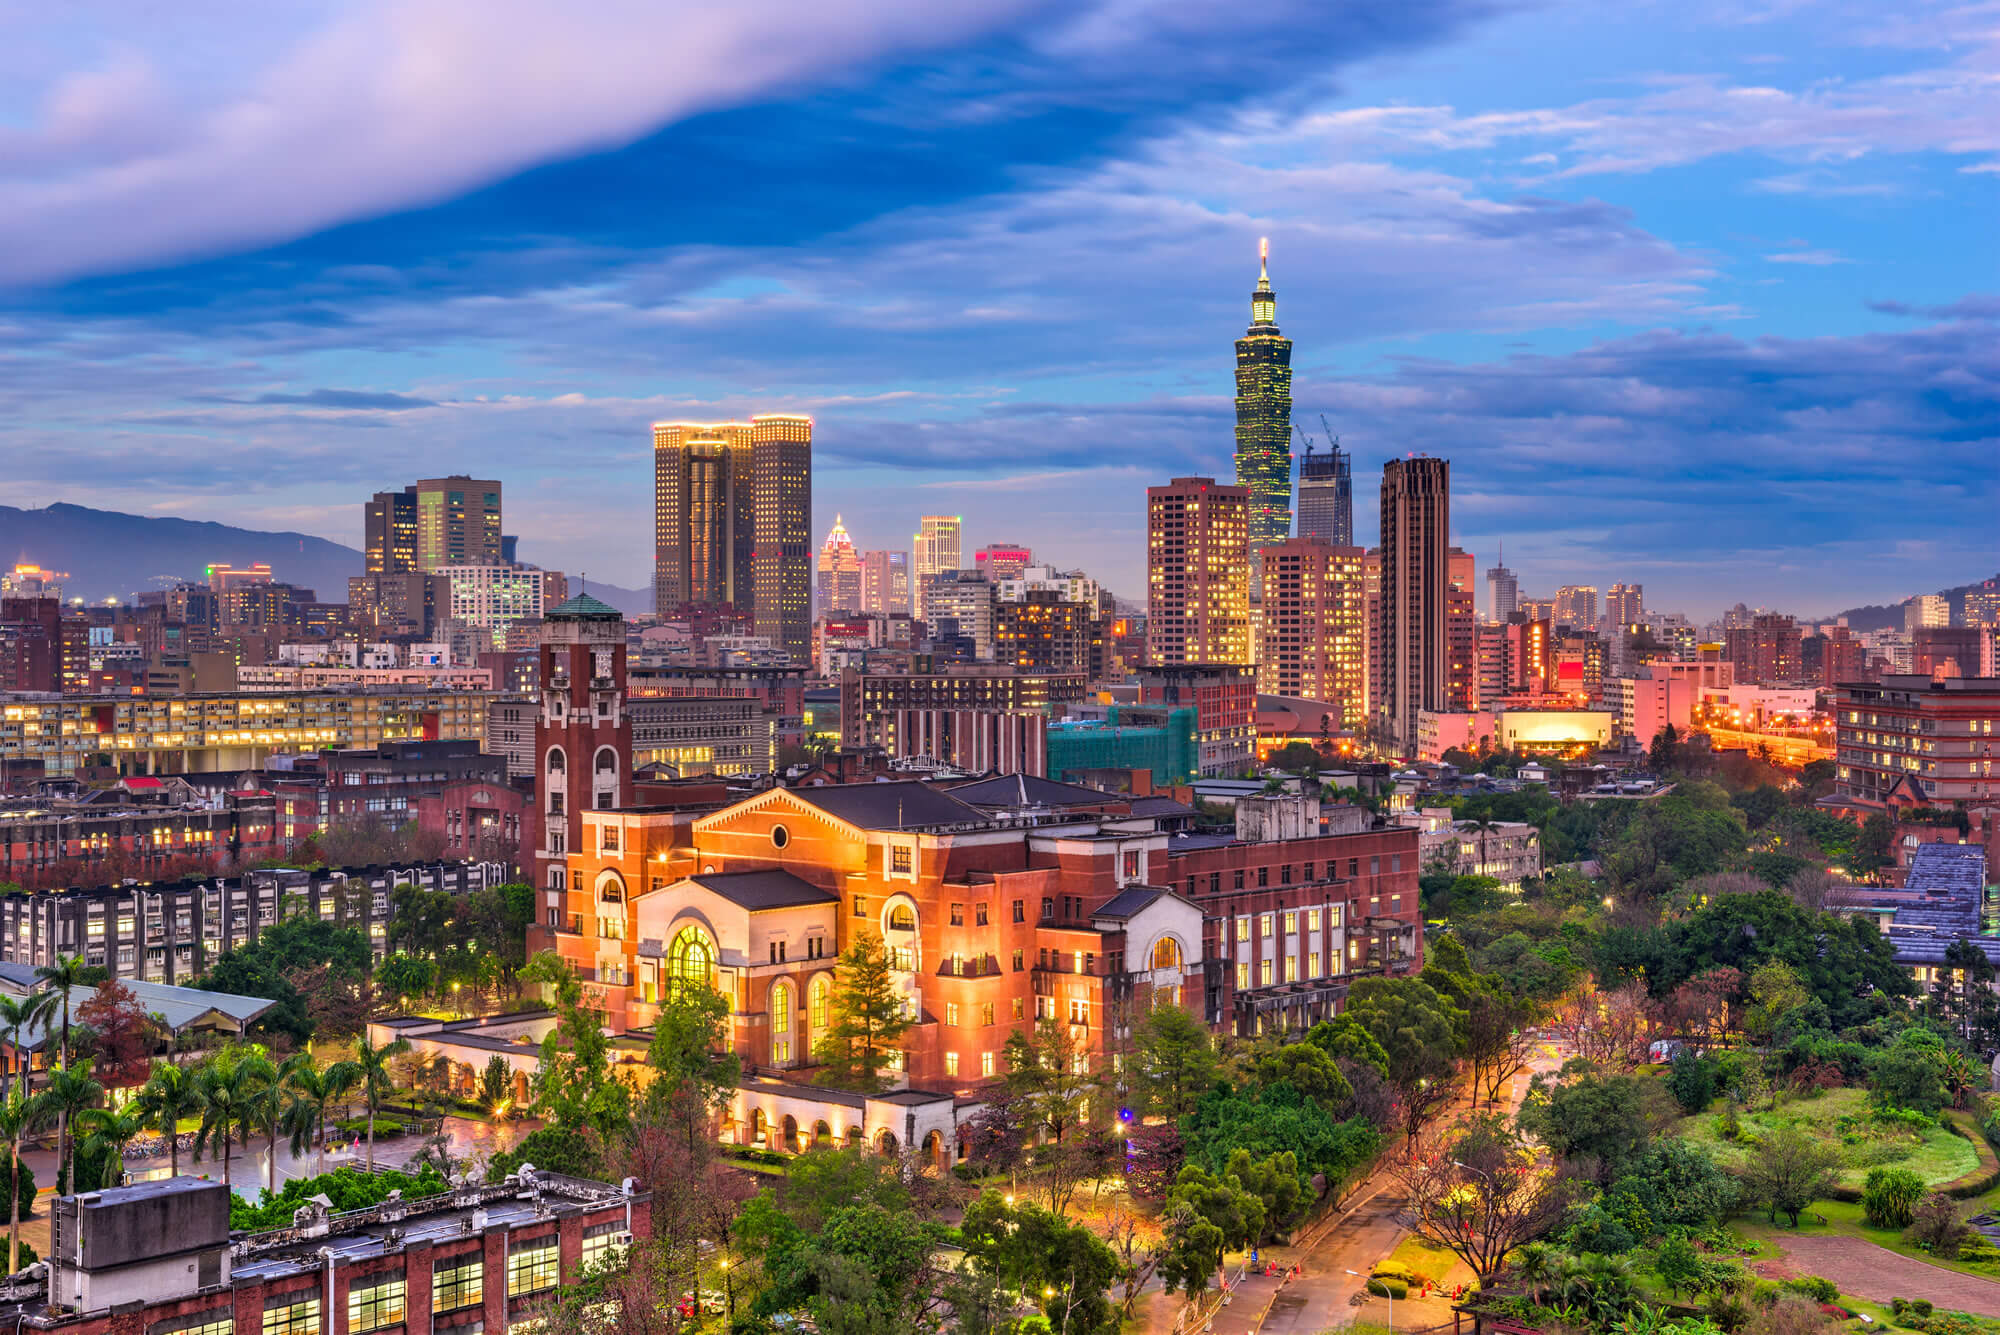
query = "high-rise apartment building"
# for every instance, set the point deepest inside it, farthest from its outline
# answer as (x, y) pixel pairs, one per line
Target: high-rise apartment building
(732, 515)
(1461, 631)
(1765, 652)
(389, 532)
(885, 583)
(1197, 573)
(1925, 611)
(1625, 605)
(458, 522)
(1503, 594)
(1316, 625)
(1982, 604)
(1930, 739)
(839, 572)
(1264, 415)
(1576, 605)
(934, 551)
(494, 597)
(1040, 632)
(962, 605)
(1002, 560)
(1415, 651)
(1326, 496)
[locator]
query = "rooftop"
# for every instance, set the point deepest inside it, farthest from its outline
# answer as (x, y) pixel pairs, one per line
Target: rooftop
(900, 805)
(770, 889)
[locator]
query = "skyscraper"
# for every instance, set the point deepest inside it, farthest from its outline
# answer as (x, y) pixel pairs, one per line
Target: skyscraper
(1326, 497)
(389, 532)
(1503, 591)
(458, 522)
(1461, 632)
(1264, 414)
(1197, 573)
(1625, 604)
(1316, 625)
(885, 583)
(1002, 560)
(1415, 653)
(935, 550)
(839, 572)
(732, 515)
(1576, 605)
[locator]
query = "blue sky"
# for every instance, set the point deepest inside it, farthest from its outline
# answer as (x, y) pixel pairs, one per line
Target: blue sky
(1698, 294)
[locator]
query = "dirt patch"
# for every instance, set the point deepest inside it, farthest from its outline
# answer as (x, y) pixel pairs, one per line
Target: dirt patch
(1861, 1268)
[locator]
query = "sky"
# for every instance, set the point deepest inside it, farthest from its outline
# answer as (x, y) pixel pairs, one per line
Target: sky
(1703, 295)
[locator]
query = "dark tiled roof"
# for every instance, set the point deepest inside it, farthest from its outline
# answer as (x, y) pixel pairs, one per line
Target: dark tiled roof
(583, 607)
(1024, 790)
(772, 889)
(1161, 806)
(1129, 901)
(1948, 869)
(893, 806)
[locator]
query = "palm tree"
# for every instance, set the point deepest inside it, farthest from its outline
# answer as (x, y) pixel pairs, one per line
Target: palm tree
(19, 1115)
(227, 1089)
(266, 1107)
(109, 1131)
(1534, 1266)
(18, 1017)
(168, 1096)
(69, 1093)
(371, 1074)
(1482, 825)
(309, 1093)
(60, 979)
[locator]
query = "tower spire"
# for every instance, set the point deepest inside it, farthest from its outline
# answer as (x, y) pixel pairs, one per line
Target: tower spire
(1263, 261)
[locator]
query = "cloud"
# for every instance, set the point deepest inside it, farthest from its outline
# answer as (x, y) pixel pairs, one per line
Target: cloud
(348, 398)
(1977, 306)
(1819, 259)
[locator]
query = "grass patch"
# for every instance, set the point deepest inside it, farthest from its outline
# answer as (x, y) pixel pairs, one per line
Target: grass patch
(1842, 1118)
(1844, 1217)
(1422, 1259)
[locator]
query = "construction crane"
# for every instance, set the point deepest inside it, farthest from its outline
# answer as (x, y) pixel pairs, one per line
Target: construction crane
(1304, 437)
(1333, 440)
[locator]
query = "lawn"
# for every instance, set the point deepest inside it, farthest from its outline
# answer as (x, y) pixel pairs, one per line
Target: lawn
(1845, 1217)
(1843, 1118)
(1421, 1258)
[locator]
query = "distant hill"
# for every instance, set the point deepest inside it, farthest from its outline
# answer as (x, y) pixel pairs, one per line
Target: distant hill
(112, 555)
(1890, 617)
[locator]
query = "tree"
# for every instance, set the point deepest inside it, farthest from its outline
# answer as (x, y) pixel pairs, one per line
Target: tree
(1873, 847)
(420, 920)
(1050, 1068)
(1889, 1196)
(1480, 1193)
(1224, 1202)
(868, 1016)
(1588, 1118)
(1789, 1171)
(1963, 997)
(1679, 1185)
(1497, 1041)
(1420, 1032)
(122, 1034)
(1678, 1265)
(336, 1005)
(169, 1096)
(62, 978)
(1307, 1068)
(405, 977)
(19, 1115)
(107, 1131)
(264, 967)
(309, 1094)
(1173, 1063)
(227, 1088)
(496, 1084)
(369, 1071)
(1191, 1250)
(20, 1016)
(1691, 1081)
(1346, 1038)
(67, 1093)
(1776, 990)
(573, 1085)
(691, 1049)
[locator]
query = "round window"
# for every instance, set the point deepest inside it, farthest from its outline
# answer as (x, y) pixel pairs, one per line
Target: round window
(780, 836)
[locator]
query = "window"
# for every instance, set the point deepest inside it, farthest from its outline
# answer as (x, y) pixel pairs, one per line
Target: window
(691, 958)
(902, 918)
(1266, 973)
(979, 915)
(958, 915)
(1375, 866)
(1291, 922)
(1285, 874)
(1395, 862)
(376, 1302)
(782, 1005)
(1312, 965)
(456, 1282)
(817, 999)
(986, 1063)
(1239, 878)
(1079, 1011)
(901, 859)
(1215, 882)
(1291, 968)
(1243, 973)
(986, 1012)
(951, 1063)
(1020, 911)
(1312, 920)
(1263, 877)
(951, 1012)
(1354, 866)
(1017, 961)
(1264, 924)
(215, 1321)
(296, 1313)
(860, 906)
(532, 1267)
(1132, 864)
(1243, 927)
(608, 838)
(1048, 908)
(1019, 1008)
(1309, 870)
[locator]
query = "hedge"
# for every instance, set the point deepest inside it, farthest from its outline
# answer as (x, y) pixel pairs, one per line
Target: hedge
(1981, 1179)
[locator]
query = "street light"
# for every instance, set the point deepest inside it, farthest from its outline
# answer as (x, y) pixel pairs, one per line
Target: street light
(1385, 1293)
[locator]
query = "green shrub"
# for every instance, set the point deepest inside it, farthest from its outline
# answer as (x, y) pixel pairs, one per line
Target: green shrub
(565, 1152)
(25, 1191)
(1815, 1288)
(1389, 1288)
(1981, 1179)
(1890, 1195)
(1978, 1249)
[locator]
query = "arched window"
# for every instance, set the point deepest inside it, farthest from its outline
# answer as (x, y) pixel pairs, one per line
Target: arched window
(783, 1003)
(607, 760)
(817, 997)
(691, 959)
(1166, 953)
(902, 918)
(555, 760)
(611, 890)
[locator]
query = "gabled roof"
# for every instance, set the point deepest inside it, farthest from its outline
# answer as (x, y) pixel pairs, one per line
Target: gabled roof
(770, 889)
(1948, 869)
(907, 805)
(1026, 790)
(1129, 902)
(178, 1007)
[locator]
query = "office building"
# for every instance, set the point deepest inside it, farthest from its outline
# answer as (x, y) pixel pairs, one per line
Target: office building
(998, 561)
(935, 552)
(869, 702)
(1197, 573)
(692, 735)
(1911, 740)
(1415, 649)
(1461, 631)
(1625, 606)
(458, 522)
(1071, 586)
(962, 606)
(972, 741)
(1264, 417)
(1040, 632)
(1576, 605)
(389, 532)
(839, 573)
(1952, 651)
(1503, 594)
(1982, 604)
(1316, 626)
(1326, 496)
(1765, 652)
(885, 583)
(407, 602)
(1926, 611)
(492, 598)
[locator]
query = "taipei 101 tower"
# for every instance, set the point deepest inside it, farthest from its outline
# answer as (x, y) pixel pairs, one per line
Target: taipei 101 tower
(1264, 417)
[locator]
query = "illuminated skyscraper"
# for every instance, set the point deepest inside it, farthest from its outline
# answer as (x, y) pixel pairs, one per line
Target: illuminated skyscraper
(1416, 584)
(885, 583)
(1625, 604)
(389, 532)
(458, 522)
(1264, 414)
(1197, 573)
(1316, 625)
(1576, 605)
(1326, 496)
(1002, 560)
(935, 551)
(732, 515)
(839, 572)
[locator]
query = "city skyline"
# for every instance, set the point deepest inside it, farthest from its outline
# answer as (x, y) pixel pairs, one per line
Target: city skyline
(1655, 349)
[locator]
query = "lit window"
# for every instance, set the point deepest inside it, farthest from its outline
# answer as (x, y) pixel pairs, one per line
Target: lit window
(951, 1063)
(375, 1302)
(604, 1245)
(293, 1314)
(1243, 974)
(986, 1063)
(532, 1267)
(1266, 973)
(458, 1281)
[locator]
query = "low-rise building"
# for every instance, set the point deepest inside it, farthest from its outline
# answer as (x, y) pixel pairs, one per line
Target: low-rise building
(1508, 851)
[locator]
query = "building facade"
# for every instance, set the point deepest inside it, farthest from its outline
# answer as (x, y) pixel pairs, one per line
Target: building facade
(1198, 573)
(583, 733)
(839, 584)
(1326, 496)
(1933, 739)
(885, 583)
(1224, 698)
(1503, 593)
(935, 551)
(869, 701)
(1315, 625)
(1264, 416)
(1415, 649)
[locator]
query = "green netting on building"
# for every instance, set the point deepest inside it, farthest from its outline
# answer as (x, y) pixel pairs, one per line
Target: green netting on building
(1170, 752)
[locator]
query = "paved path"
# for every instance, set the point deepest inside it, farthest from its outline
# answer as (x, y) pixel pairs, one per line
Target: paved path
(1861, 1268)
